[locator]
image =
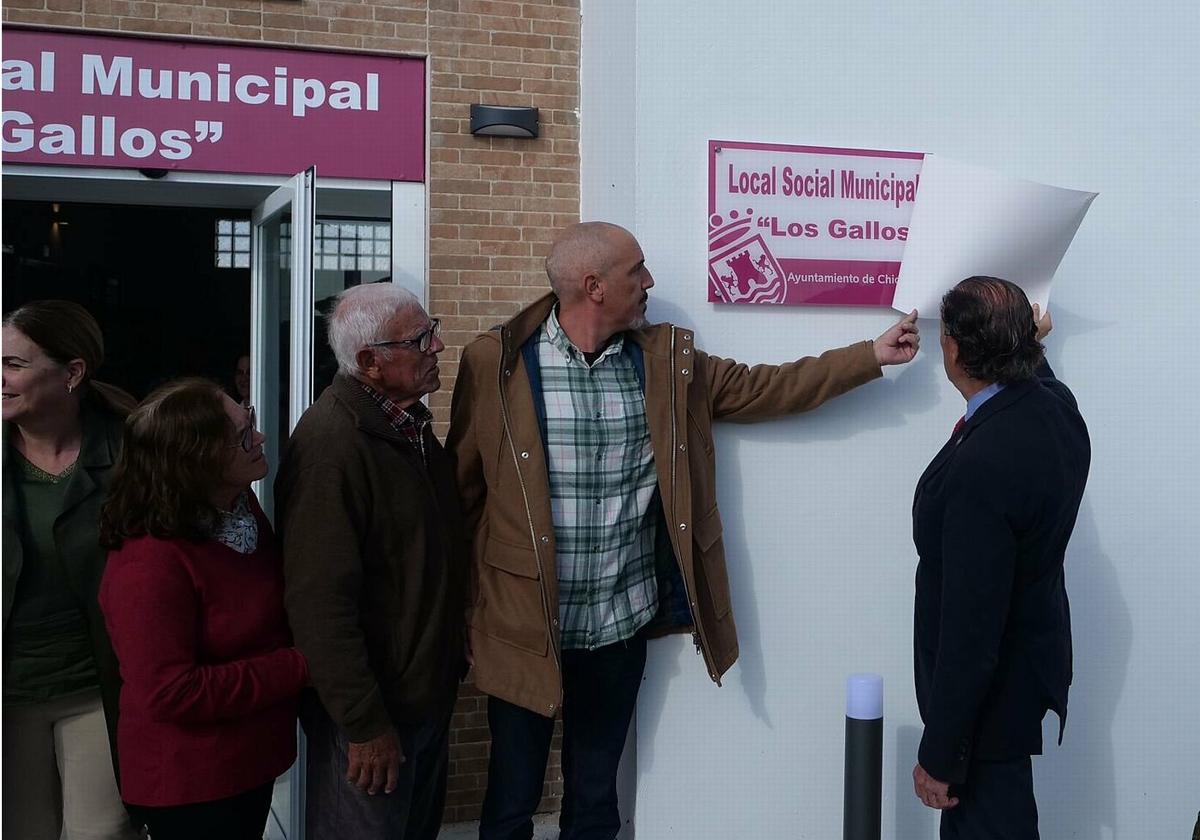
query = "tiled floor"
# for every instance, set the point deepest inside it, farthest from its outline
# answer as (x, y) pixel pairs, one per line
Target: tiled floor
(545, 827)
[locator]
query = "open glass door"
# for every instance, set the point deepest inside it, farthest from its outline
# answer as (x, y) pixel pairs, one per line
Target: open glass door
(281, 381)
(281, 316)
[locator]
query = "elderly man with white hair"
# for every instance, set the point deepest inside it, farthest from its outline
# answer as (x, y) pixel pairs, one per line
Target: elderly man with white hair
(374, 575)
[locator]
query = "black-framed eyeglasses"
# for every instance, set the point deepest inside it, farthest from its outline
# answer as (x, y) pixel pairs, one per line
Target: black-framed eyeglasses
(246, 438)
(422, 341)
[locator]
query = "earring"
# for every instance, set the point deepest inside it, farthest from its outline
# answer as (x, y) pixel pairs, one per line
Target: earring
(70, 387)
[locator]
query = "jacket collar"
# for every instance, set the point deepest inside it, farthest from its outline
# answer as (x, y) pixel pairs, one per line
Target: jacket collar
(97, 452)
(368, 416)
(654, 339)
(100, 443)
(519, 328)
(1010, 395)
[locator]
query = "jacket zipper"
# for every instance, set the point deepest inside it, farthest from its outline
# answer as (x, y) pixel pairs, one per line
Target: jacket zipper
(512, 447)
(696, 638)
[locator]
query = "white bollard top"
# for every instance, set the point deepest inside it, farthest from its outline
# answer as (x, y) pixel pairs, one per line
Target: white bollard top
(864, 696)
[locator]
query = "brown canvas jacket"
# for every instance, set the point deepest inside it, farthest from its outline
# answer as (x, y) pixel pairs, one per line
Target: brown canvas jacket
(512, 608)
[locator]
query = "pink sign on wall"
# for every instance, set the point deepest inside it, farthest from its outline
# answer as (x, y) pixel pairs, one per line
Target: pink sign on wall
(807, 225)
(91, 100)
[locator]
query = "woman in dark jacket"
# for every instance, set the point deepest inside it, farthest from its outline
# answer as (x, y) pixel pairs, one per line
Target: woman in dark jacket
(193, 599)
(61, 435)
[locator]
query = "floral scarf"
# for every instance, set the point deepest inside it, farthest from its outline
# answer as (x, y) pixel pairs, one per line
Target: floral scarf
(238, 529)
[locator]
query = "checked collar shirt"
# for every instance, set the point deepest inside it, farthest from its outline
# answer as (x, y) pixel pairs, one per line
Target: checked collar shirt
(411, 422)
(603, 490)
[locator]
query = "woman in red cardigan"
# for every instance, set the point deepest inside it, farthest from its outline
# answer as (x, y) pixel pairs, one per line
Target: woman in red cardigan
(193, 599)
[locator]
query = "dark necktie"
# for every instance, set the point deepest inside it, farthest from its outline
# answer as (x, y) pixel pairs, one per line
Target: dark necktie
(962, 421)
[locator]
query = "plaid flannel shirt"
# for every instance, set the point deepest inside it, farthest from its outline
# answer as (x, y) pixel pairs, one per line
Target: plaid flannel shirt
(603, 490)
(411, 422)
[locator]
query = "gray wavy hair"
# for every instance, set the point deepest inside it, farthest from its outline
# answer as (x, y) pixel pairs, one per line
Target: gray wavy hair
(358, 319)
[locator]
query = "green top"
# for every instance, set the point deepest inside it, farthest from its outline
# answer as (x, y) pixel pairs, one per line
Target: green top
(47, 649)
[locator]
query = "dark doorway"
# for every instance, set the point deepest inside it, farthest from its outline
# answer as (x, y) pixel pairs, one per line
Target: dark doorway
(149, 275)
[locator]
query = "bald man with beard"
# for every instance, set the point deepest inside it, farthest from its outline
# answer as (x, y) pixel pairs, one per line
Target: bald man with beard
(582, 436)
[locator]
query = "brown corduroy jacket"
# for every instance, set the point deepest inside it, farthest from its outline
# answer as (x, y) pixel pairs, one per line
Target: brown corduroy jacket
(495, 439)
(373, 564)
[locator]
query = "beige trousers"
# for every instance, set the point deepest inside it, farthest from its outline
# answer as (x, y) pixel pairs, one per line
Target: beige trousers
(58, 776)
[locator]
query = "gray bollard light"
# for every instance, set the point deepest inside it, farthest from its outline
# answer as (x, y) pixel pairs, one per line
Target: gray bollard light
(863, 784)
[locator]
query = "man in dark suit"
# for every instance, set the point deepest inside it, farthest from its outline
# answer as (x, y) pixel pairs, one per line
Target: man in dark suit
(991, 520)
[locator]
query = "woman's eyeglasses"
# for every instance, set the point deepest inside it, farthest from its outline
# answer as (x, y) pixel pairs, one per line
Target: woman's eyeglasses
(246, 438)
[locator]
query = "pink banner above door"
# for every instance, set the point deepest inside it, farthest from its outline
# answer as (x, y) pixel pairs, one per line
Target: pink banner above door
(93, 100)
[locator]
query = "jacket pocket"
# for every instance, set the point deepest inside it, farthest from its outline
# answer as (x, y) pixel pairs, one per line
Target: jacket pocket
(711, 574)
(1049, 661)
(510, 598)
(701, 434)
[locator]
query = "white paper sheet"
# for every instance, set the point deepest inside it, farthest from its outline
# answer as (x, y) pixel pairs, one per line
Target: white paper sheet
(968, 221)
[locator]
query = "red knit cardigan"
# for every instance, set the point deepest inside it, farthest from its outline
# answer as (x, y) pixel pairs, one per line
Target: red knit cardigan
(211, 681)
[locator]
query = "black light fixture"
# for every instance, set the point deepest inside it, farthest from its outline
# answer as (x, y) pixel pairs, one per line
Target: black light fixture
(504, 121)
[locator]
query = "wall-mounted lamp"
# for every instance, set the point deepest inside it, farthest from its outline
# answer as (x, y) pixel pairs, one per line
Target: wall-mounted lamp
(504, 121)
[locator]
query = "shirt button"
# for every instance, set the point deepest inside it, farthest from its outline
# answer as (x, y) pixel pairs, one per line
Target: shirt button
(682, 448)
(687, 336)
(682, 526)
(684, 371)
(545, 538)
(687, 351)
(525, 455)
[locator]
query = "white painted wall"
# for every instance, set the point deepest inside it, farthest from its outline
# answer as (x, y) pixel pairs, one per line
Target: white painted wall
(607, 81)
(1076, 93)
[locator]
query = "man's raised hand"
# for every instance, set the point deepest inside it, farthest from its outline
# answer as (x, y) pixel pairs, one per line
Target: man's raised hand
(900, 343)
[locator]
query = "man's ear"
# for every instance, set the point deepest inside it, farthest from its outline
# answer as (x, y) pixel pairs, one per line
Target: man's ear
(367, 362)
(950, 348)
(593, 288)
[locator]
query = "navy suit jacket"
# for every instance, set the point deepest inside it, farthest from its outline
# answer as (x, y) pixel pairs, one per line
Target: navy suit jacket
(992, 629)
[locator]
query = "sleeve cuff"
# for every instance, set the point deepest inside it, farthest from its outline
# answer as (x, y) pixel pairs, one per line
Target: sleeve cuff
(945, 762)
(369, 719)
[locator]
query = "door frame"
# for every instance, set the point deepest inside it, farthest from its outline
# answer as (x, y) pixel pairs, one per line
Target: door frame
(295, 197)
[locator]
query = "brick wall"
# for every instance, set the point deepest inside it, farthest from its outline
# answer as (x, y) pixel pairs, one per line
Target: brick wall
(495, 203)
